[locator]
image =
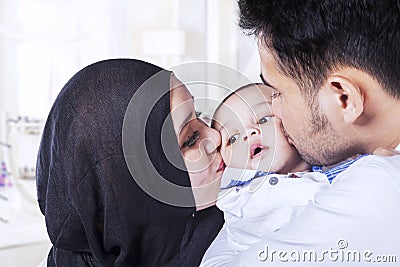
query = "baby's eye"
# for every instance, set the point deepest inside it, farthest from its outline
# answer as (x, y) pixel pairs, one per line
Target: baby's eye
(264, 119)
(233, 139)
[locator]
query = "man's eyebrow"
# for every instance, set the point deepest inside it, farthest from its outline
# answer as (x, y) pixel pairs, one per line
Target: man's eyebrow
(265, 82)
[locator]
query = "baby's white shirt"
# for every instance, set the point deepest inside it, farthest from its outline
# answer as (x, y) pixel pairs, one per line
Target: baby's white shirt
(265, 204)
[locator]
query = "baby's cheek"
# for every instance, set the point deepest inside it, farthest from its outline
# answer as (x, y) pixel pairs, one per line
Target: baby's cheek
(238, 157)
(268, 132)
(233, 157)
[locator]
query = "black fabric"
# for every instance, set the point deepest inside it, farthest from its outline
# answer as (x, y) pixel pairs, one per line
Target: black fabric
(96, 214)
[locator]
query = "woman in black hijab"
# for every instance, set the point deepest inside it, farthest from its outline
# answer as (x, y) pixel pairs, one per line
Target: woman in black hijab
(111, 179)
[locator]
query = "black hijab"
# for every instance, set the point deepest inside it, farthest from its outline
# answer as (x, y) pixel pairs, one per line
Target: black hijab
(106, 209)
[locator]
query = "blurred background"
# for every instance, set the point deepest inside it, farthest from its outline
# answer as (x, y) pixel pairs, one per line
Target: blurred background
(44, 42)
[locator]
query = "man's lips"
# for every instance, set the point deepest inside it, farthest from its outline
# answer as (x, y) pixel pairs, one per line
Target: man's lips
(288, 138)
(290, 141)
(256, 150)
(286, 134)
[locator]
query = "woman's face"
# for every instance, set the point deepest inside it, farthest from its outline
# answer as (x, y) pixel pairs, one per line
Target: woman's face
(198, 144)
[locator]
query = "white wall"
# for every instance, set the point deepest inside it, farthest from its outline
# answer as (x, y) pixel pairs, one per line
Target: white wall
(43, 43)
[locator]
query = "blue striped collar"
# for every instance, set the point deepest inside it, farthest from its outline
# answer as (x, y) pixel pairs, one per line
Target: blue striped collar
(236, 183)
(330, 173)
(333, 172)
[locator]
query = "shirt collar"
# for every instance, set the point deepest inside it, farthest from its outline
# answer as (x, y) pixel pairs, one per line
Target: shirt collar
(398, 147)
(243, 182)
(333, 172)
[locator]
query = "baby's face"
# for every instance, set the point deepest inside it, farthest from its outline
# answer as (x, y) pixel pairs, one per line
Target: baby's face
(251, 136)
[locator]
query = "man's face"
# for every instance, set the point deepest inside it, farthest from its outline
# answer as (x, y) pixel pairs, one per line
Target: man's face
(309, 129)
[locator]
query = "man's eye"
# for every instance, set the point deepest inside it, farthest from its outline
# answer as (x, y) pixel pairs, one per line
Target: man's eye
(275, 94)
(233, 139)
(191, 141)
(264, 119)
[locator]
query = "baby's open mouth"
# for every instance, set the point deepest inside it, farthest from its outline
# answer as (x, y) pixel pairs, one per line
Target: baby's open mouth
(256, 150)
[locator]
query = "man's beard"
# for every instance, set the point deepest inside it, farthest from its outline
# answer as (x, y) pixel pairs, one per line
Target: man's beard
(320, 144)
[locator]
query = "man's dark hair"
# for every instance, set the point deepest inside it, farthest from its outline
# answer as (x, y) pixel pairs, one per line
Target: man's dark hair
(312, 38)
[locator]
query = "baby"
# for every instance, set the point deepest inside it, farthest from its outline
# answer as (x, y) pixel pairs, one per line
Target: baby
(266, 182)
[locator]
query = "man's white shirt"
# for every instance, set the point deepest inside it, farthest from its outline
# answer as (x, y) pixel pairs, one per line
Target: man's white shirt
(353, 223)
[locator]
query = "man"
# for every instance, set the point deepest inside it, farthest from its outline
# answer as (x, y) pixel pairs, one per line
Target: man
(334, 66)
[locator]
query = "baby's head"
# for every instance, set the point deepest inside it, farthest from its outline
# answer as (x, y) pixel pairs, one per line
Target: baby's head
(251, 135)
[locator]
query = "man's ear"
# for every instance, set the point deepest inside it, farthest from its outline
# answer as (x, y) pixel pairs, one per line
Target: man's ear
(348, 97)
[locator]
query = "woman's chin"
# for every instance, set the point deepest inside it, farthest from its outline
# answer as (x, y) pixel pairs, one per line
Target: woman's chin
(205, 197)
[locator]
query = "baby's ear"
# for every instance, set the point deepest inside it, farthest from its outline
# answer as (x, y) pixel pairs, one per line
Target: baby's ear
(380, 151)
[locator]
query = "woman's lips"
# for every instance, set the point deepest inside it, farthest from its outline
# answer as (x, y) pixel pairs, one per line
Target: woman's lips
(221, 166)
(256, 150)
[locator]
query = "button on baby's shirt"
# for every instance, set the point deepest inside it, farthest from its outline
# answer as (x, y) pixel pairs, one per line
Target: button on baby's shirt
(273, 180)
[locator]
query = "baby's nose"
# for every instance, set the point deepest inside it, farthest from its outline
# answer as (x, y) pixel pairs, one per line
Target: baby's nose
(250, 133)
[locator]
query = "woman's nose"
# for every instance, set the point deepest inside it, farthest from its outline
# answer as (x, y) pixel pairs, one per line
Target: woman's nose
(250, 133)
(213, 140)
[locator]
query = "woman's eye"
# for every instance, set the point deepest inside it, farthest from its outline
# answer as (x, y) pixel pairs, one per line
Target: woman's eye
(264, 119)
(233, 139)
(191, 140)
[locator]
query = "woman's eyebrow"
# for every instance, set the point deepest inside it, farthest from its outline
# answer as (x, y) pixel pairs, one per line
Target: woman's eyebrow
(265, 82)
(186, 120)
